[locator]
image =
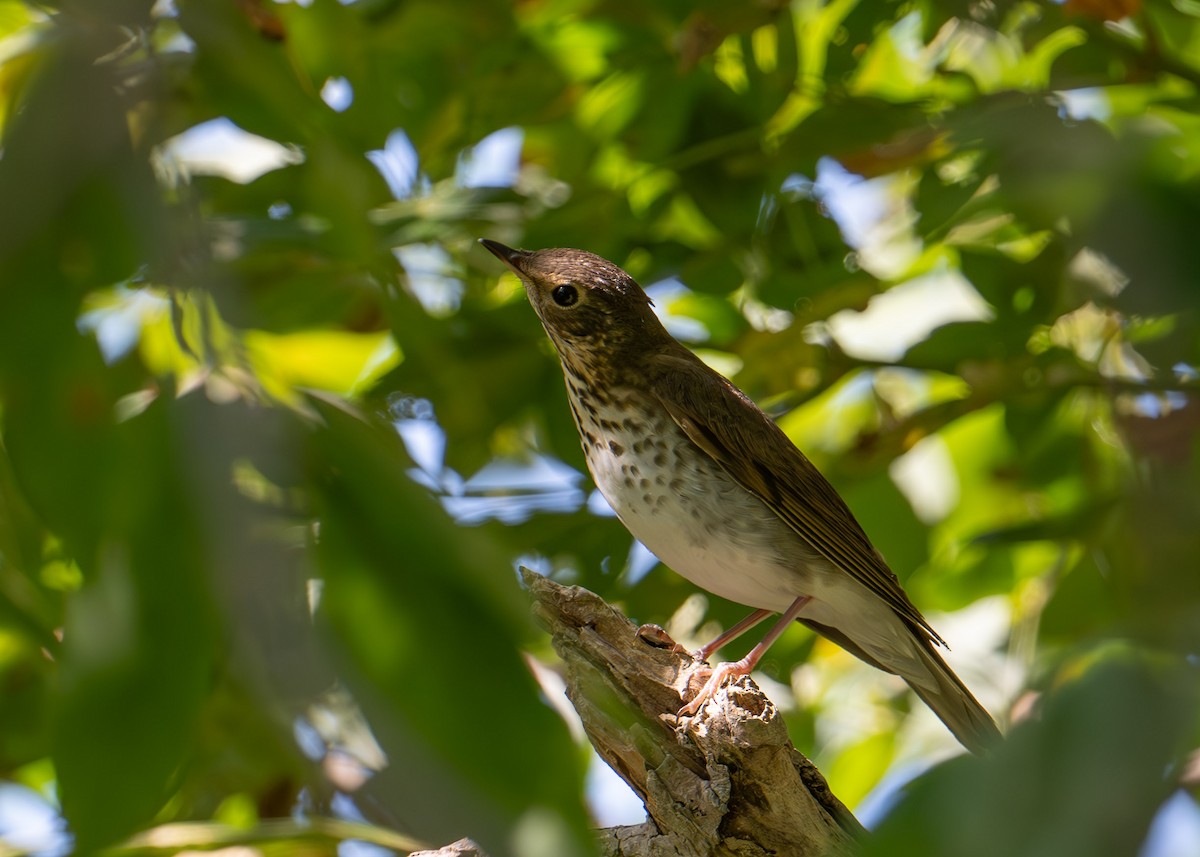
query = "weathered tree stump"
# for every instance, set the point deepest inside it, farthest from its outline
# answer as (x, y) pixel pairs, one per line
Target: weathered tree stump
(725, 782)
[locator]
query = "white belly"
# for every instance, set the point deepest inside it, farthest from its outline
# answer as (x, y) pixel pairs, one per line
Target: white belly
(690, 513)
(696, 519)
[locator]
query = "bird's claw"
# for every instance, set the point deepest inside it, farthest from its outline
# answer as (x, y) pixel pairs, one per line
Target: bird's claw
(717, 677)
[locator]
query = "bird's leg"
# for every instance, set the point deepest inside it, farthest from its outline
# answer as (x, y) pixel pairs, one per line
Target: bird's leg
(723, 672)
(657, 636)
(705, 652)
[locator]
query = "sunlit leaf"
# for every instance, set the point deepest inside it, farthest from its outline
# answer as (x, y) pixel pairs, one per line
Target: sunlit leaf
(335, 361)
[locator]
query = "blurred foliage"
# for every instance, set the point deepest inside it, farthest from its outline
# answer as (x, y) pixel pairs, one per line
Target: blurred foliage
(230, 594)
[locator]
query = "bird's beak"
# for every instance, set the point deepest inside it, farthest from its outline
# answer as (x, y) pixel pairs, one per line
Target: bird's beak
(510, 257)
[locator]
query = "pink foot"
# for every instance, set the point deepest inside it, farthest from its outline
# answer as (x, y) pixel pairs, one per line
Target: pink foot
(723, 672)
(718, 676)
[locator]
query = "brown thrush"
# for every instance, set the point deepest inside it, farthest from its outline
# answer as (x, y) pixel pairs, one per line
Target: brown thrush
(715, 489)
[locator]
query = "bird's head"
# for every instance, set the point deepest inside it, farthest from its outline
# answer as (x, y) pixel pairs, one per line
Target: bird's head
(591, 309)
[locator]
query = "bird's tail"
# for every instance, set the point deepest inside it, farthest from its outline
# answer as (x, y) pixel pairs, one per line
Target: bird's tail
(910, 654)
(952, 702)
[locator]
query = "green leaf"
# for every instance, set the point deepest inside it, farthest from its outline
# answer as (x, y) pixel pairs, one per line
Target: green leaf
(1040, 792)
(139, 648)
(431, 619)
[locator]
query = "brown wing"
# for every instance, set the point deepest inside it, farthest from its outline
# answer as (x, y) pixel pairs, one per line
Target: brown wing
(719, 419)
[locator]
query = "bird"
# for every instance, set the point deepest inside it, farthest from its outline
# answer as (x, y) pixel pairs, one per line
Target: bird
(713, 487)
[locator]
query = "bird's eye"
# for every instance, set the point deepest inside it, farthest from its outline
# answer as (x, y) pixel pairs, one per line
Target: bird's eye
(564, 295)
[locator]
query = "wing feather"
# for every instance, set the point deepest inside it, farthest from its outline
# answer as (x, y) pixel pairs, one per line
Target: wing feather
(735, 433)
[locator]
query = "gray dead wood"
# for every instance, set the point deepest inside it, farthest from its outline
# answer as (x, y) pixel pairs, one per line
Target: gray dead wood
(727, 782)
(461, 848)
